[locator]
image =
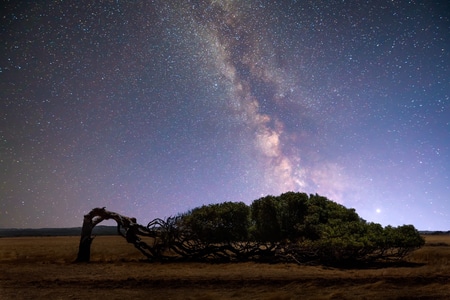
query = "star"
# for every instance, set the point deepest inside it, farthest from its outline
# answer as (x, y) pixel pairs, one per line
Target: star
(153, 108)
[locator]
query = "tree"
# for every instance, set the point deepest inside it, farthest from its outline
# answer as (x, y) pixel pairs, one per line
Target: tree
(290, 227)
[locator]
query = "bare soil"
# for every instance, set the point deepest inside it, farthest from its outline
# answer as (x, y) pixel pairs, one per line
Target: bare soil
(43, 268)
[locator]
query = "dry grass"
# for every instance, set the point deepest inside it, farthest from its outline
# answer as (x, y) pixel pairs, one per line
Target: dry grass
(42, 268)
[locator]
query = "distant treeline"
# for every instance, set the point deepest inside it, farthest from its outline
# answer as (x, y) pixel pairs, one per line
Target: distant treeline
(74, 231)
(428, 232)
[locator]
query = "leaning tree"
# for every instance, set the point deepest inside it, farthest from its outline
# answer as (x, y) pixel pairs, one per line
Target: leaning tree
(291, 227)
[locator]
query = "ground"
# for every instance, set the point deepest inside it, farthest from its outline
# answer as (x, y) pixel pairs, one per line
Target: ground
(43, 268)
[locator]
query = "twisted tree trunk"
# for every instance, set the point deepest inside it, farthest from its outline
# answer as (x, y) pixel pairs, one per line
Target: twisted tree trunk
(84, 250)
(93, 218)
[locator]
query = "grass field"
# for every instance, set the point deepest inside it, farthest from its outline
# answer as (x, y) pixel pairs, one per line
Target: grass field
(43, 268)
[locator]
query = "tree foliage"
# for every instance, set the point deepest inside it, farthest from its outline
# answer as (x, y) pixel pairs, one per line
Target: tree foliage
(290, 227)
(217, 223)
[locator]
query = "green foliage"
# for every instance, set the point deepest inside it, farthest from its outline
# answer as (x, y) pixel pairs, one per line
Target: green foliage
(401, 240)
(278, 218)
(295, 216)
(218, 223)
(265, 216)
(297, 226)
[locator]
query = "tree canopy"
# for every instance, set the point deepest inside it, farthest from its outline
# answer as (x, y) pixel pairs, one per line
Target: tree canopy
(300, 227)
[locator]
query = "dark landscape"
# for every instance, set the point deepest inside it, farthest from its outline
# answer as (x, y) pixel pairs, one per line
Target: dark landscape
(73, 231)
(43, 268)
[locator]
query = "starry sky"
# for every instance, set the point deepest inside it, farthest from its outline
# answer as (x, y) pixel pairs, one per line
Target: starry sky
(152, 108)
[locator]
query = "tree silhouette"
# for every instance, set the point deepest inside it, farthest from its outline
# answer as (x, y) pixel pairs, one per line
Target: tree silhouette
(290, 227)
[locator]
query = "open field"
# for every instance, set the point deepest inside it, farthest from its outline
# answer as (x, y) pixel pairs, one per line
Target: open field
(43, 268)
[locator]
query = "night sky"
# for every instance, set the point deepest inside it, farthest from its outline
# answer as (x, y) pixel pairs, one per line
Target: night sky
(152, 108)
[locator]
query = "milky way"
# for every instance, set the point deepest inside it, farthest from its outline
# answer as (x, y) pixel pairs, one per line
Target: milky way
(151, 108)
